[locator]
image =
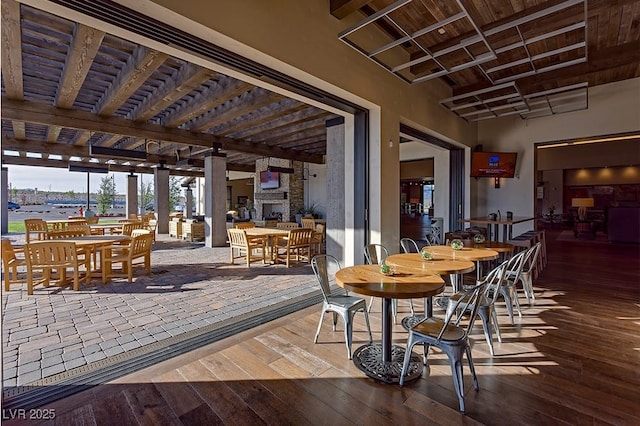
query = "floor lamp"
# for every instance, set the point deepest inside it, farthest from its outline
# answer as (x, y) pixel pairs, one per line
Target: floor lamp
(582, 204)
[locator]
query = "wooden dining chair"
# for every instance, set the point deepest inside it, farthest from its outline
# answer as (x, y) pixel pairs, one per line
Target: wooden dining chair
(308, 222)
(138, 248)
(287, 225)
(60, 257)
(296, 246)
(14, 264)
(252, 249)
(35, 229)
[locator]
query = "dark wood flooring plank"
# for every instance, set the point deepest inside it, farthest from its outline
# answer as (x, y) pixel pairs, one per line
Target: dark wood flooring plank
(227, 405)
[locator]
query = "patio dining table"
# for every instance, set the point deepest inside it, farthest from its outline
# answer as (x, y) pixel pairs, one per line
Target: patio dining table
(383, 361)
(92, 244)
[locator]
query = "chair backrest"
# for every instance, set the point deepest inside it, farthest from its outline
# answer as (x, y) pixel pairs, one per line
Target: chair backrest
(271, 223)
(141, 243)
(8, 254)
(51, 254)
(244, 225)
(37, 226)
(308, 222)
(493, 281)
(237, 237)
(299, 237)
(137, 232)
(409, 245)
(287, 225)
(468, 302)
(375, 253)
(127, 228)
(514, 265)
(93, 220)
(70, 231)
(322, 265)
(531, 257)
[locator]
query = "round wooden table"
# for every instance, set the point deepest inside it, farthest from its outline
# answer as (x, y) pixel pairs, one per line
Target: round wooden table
(383, 361)
(467, 253)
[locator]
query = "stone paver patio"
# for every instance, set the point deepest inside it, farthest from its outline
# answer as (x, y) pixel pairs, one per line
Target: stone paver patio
(191, 287)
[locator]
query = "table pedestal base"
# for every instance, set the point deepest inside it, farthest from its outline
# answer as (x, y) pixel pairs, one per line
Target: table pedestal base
(368, 359)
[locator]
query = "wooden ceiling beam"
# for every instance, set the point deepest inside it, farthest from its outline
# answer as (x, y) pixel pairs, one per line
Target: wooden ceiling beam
(291, 120)
(186, 79)
(64, 164)
(140, 66)
(226, 89)
(67, 151)
(11, 57)
(35, 112)
(258, 117)
(249, 101)
(343, 8)
(599, 60)
(82, 52)
(12, 50)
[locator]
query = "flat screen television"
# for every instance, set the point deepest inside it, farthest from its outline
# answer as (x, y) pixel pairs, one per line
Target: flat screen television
(493, 164)
(269, 180)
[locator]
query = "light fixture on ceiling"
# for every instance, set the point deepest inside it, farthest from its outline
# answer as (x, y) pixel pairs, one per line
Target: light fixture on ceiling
(441, 30)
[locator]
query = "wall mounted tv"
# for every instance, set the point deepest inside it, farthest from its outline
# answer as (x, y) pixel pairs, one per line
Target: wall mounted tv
(269, 180)
(493, 164)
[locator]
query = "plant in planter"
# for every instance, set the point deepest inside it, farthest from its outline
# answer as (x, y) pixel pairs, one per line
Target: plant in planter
(457, 244)
(386, 269)
(426, 254)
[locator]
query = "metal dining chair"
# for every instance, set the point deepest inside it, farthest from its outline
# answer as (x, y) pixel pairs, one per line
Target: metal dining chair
(451, 337)
(338, 304)
(375, 254)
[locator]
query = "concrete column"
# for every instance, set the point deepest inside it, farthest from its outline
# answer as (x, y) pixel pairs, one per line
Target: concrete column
(4, 210)
(336, 185)
(161, 199)
(188, 204)
(132, 195)
(215, 198)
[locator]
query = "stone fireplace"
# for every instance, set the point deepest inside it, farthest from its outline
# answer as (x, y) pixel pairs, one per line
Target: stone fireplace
(283, 201)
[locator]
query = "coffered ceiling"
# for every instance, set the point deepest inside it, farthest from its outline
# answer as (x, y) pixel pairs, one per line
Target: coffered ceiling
(501, 57)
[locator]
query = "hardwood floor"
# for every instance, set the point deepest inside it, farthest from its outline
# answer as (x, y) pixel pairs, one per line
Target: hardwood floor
(573, 358)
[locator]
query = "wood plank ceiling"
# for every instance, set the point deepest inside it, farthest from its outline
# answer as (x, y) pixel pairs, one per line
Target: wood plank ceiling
(500, 57)
(67, 88)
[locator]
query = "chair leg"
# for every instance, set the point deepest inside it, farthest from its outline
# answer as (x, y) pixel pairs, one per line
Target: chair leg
(315, 340)
(407, 357)
(472, 368)
(486, 326)
(366, 318)
(455, 360)
(348, 331)
(335, 320)
(370, 303)
(494, 316)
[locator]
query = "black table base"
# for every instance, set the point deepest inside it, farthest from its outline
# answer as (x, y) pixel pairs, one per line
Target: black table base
(368, 359)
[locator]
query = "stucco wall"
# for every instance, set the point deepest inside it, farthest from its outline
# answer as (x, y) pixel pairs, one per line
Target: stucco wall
(613, 108)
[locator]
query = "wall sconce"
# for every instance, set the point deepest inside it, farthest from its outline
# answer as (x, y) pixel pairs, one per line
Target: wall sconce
(496, 182)
(307, 175)
(390, 143)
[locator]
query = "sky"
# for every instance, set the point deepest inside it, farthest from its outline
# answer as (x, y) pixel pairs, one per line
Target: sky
(54, 179)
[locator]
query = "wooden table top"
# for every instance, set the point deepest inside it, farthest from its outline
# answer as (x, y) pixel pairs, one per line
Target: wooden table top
(440, 266)
(494, 245)
(505, 221)
(266, 232)
(96, 240)
(404, 284)
(467, 253)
